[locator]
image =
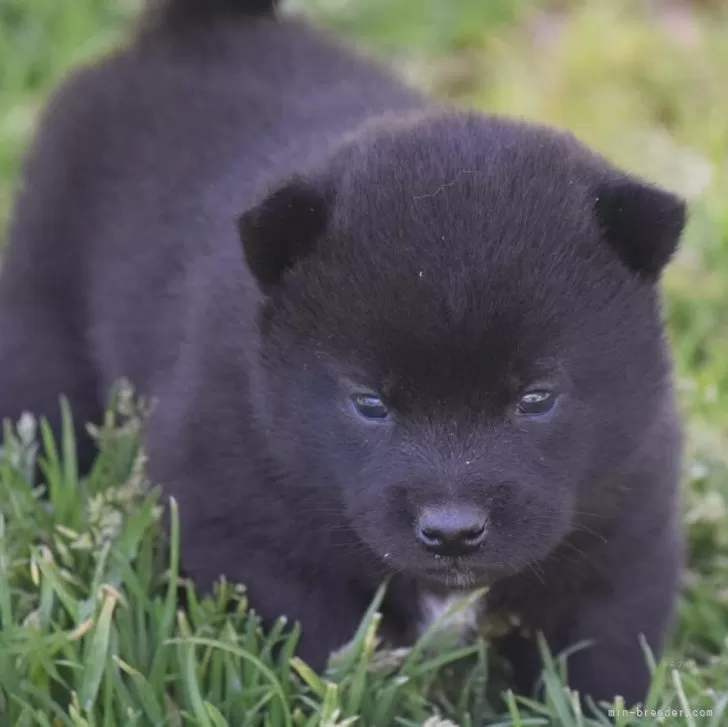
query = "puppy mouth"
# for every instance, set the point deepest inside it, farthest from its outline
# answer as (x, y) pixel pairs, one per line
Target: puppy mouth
(456, 573)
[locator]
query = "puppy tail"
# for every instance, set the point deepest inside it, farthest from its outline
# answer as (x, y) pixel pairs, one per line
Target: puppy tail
(198, 8)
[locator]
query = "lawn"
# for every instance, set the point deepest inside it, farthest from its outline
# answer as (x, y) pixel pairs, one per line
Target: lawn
(90, 630)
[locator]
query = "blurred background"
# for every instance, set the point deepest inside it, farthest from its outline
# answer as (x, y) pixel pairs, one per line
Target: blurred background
(643, 81)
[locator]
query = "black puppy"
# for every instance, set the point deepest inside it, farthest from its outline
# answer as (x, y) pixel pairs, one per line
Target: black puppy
(386, 338)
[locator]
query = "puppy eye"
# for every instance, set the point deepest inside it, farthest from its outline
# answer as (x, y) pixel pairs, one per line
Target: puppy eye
(369, 407)
(538, 401)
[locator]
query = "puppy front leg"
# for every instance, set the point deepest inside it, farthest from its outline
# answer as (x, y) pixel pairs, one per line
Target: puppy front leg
(628, 597)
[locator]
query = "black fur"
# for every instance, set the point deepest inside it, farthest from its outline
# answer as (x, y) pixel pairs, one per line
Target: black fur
(194, 9)
(253, 225)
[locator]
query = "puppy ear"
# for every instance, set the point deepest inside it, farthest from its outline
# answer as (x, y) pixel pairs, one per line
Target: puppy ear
(283, 228)
(641, 221)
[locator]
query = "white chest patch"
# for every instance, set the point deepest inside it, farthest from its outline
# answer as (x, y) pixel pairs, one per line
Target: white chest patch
(435, 610)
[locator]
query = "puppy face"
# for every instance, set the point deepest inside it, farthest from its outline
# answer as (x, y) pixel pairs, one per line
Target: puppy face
(461, 342)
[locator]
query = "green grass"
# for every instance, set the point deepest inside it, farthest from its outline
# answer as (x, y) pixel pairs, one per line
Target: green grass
(90, 629)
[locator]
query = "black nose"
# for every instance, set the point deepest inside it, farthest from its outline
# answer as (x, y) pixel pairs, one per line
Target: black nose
(452, 530)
